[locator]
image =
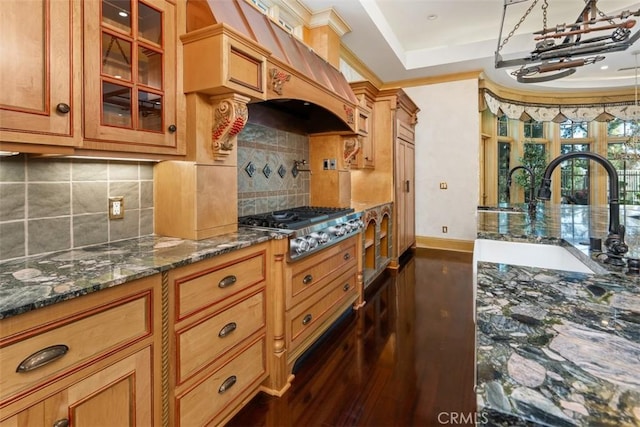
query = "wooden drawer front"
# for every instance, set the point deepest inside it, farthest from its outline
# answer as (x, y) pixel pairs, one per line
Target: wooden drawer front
(307, 318)
(106, 329)
(205, 401)
(316, 275)
(209, 286)
(201, 344)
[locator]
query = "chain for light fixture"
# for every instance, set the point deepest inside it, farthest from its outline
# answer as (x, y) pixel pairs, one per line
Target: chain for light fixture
(553, 60)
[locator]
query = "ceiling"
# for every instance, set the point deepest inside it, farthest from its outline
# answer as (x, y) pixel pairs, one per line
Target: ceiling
(413, 39)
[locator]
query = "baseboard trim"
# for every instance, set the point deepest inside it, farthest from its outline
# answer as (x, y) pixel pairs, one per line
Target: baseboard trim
(444, 244)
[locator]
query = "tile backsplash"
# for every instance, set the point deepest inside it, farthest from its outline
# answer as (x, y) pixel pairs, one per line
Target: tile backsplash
(266, 179)
(49, 205)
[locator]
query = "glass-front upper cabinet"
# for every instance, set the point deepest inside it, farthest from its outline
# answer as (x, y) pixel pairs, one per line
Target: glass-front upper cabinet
(130, 75)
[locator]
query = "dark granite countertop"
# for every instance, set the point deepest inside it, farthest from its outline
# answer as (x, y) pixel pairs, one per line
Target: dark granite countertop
(553, 347)
(39, 281)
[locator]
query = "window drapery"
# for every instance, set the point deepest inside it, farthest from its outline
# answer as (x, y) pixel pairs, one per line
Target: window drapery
(545, 113)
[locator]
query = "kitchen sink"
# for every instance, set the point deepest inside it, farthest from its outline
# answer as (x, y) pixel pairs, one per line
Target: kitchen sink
(528, 254)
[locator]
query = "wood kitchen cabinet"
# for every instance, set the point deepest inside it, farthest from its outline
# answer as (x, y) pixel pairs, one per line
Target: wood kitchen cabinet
(39, 100)
(84, 361)
(99, 75)
(365, 117)
(393, 178)
(218, 335)
(130, 92)
(405, 194)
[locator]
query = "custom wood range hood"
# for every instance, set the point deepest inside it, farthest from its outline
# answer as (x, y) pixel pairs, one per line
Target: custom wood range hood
(231, 47)
(237, 63)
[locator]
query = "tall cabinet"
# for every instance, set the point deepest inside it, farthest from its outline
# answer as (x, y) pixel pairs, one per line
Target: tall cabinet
(392, 179)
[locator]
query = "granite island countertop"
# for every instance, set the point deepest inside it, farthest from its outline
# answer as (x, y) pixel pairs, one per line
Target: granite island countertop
(38, 281)
(553, 347)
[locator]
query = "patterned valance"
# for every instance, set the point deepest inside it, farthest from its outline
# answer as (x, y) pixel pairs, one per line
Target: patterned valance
(559, 113)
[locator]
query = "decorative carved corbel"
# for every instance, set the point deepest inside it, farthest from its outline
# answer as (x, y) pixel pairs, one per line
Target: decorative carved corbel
(350, 114)
(229, 117)
(351, 148)
(278, 79)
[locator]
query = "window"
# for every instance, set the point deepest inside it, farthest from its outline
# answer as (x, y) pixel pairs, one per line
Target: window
(575, 176)
(533, 129)
(570, 129)
(623, 149)
(535, 157)
(504, 156)
(503, 126)
(621, 128)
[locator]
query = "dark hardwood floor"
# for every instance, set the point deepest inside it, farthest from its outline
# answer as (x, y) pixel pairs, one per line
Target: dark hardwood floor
(405, 359)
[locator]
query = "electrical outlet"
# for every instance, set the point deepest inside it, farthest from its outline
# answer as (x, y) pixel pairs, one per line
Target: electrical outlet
(332, 164)
(116, 207)
(445, 229)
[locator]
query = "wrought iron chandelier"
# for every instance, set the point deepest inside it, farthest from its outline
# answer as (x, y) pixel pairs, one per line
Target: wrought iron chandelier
(559, 50)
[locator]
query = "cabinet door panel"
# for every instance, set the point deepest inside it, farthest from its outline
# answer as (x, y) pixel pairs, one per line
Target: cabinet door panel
(130, 76)
(36, 70)
(120, 393)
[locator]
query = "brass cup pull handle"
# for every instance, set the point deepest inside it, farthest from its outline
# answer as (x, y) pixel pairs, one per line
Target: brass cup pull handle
(346, 287)
(306, 319)
(227, 329)
(227, 281)
(227, 384)
(61, 423)
(42, 357)
(307, 279)
(347, 256)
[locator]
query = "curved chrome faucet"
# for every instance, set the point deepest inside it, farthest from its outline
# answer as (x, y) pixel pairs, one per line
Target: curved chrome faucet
(616, 247)
(532, 186)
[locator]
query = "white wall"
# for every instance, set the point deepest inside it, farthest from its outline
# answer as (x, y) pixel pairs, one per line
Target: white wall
(447, 150)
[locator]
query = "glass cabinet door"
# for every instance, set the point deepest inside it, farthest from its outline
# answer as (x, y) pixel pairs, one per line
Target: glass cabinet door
(131, 85)
(131, 74)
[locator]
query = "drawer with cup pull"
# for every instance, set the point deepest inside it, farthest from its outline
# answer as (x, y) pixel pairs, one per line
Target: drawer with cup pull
(213, 397)
(315, 272)
(306, 318)
(200, 344)
(62, 344)
(207, 283)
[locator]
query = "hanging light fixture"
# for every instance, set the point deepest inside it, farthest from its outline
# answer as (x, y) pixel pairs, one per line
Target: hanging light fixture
(561, 49)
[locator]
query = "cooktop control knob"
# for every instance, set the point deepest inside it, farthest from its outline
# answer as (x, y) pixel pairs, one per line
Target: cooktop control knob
(299, 245)
(337, 230)
(313, 243)
(321, 237)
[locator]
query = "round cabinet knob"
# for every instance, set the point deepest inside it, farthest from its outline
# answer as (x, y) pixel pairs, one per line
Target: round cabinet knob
(299, 245)
(63, 108)
(172, 128)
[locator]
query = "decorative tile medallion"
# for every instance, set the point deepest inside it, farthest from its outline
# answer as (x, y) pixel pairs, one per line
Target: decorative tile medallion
(294, 171)
(266, 170)
(250, 169)
(282, 171)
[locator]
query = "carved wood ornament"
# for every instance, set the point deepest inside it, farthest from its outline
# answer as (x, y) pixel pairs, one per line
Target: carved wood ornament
(350, 114)
(278, 79)
(351, 148)
(229, 117)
